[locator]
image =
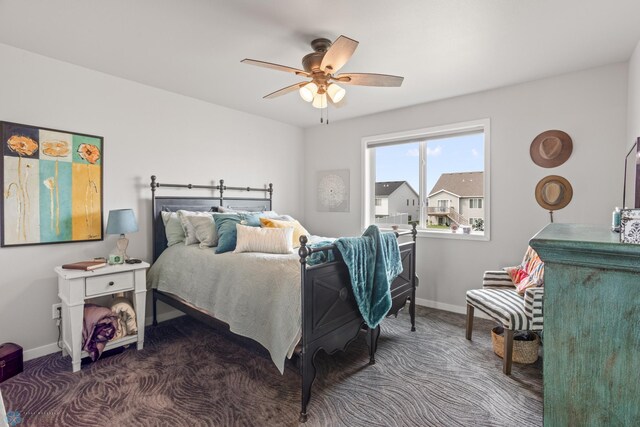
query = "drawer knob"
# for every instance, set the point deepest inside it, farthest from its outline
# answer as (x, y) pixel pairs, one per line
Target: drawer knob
(112, 283)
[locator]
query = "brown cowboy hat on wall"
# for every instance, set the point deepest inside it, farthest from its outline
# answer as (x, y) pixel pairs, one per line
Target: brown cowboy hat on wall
(553, 192)
(551, 148)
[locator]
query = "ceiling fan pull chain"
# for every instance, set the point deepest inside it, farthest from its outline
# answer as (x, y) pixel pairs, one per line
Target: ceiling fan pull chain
(327, 113)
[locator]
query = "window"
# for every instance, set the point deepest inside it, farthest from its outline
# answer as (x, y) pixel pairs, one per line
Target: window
(378, 201)
(444, 165)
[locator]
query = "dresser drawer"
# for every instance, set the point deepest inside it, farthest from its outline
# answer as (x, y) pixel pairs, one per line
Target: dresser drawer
(109, 283)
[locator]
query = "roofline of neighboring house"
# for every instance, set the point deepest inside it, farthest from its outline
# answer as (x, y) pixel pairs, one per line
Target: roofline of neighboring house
(403, 182)
(445, 191)
(472, 197)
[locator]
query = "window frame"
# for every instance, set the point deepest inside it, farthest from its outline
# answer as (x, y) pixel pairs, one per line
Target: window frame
(368, 163)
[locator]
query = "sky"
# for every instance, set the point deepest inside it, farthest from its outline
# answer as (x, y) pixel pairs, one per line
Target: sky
(462, 153)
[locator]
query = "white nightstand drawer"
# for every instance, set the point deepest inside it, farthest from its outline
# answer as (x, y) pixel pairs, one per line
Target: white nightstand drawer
(109, 283)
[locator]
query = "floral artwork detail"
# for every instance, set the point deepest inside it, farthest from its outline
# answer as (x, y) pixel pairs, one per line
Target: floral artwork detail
(22, 146)
(52, 186)
(630, 226)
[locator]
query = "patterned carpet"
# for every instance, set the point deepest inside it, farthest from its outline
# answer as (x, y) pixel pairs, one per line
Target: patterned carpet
(191, 375)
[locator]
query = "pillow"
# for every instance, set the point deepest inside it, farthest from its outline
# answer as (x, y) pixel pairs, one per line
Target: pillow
(172, 228)
(226, 228)
(529, 274)
(187, 225)
(298, 229)
(205, 230)
(267, 240)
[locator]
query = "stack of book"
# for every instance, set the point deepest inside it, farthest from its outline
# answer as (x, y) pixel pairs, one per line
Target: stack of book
(85, 265)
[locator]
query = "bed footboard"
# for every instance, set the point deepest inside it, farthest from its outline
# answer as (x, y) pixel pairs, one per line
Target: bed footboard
(331, 319)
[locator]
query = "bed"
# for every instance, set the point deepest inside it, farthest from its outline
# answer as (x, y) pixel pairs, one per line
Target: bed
(323, 313)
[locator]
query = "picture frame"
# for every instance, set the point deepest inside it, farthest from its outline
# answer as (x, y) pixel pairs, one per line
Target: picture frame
(631, 189)
(52, 186)
(630, 226)
(333, 191)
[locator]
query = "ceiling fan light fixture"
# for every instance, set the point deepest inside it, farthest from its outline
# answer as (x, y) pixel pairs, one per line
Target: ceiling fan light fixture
(309, 91)
(336, 93)
(320, 101)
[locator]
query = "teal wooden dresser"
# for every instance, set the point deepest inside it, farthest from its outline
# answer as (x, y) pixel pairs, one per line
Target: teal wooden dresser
(591, 326)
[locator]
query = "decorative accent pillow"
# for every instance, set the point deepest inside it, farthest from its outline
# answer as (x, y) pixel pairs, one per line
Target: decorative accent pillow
(172, 228)
(226, 228)
(529, 274)
(205, 229)
(188, 227)
(267, 240)
(298, 229)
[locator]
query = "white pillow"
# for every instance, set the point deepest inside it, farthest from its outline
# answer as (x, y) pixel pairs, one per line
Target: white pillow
(267, 240)
(172, 228)
(205, 227)
(189, 228)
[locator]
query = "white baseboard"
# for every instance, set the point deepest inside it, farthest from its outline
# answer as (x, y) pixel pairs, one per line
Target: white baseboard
(34, 353)
(449, 307)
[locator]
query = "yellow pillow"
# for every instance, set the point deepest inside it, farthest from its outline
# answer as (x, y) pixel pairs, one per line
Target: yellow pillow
(298, 229)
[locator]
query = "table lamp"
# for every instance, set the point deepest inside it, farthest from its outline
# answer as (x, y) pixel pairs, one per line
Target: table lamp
(122, 221)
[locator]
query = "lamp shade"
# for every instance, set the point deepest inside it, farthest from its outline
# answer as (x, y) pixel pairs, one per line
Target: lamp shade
(308, 91)
(121, 221)
(336, 93)
(320, 101)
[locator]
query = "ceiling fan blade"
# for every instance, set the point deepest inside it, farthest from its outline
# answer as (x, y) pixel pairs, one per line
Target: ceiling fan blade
(277, 67)
(285, 90)
(338, 54)
(369, 79)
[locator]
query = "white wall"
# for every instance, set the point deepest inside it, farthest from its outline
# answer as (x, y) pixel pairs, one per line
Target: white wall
(146, 131)
(633, 117)
(589, 105)
(633, 109)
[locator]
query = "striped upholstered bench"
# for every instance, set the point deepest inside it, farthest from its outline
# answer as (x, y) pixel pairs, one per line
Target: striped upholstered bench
(499, 299)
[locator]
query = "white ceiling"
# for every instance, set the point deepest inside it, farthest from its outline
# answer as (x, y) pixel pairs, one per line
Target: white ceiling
(443, 48)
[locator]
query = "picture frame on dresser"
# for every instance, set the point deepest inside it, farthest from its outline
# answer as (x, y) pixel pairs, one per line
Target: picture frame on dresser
(631, 189)
(52, 186)
(630, 226)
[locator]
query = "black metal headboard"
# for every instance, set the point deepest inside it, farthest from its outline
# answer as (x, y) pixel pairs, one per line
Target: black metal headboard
(200, 204)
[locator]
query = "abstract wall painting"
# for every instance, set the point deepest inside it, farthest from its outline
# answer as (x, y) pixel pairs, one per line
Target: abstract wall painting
(52, 186)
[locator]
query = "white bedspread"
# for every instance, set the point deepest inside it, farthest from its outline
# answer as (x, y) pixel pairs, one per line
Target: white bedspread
(257, 294)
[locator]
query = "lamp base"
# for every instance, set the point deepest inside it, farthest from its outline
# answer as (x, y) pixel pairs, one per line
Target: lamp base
(121, 247)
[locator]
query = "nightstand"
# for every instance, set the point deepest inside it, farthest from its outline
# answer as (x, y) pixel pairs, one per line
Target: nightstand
(77, 286)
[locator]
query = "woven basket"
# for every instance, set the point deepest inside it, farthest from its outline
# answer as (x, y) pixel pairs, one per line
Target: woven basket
(523, 351)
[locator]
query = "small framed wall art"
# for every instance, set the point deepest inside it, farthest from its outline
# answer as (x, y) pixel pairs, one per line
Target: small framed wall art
(52, 186)
(333, 191)
(630, 226)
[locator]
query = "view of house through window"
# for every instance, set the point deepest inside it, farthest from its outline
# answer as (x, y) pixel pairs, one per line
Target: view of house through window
(445, 194)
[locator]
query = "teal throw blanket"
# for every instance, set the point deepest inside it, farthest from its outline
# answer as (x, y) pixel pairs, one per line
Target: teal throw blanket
(374, 262)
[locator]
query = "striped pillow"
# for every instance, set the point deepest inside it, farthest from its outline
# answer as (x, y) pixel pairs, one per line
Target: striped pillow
(267, 240)
(298, 229)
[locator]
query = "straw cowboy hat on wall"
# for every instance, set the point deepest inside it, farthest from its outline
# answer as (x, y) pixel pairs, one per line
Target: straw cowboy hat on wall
(553, 192)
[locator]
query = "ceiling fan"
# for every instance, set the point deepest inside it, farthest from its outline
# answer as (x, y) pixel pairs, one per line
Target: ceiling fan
(320, 66)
